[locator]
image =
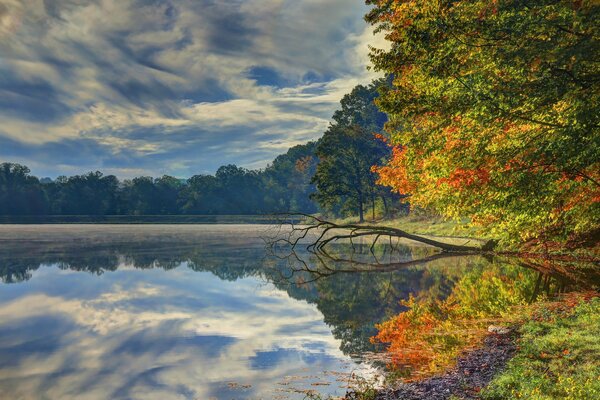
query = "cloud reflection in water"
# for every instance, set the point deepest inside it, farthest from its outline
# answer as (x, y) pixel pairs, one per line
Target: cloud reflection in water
(160, 334)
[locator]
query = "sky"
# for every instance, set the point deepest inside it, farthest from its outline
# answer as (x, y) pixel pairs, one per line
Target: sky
(178, 87)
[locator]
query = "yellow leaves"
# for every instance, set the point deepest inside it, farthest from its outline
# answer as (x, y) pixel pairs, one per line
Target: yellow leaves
(561, 106)
(427, 337)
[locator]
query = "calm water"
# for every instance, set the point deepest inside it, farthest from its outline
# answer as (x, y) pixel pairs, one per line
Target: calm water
(188, 312)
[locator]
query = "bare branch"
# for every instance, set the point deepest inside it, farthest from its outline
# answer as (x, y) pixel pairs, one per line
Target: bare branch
(316, 235)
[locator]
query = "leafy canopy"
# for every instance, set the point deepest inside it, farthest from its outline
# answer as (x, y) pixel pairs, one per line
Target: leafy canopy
(348, 149)
(495, 110)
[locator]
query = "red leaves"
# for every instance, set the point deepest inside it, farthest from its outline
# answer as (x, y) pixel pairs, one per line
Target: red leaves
(303, 164)
(466, 178)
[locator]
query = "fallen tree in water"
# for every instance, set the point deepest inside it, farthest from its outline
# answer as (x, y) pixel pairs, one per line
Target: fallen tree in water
(297, 231)
(317, 233)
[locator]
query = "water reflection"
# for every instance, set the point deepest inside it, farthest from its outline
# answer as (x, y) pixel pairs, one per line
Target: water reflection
(196, 312)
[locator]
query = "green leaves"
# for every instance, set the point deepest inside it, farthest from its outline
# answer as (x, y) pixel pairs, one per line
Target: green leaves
(348, 150)
(507, 87)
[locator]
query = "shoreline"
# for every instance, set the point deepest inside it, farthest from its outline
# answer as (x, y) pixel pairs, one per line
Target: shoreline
(139, 219)
(474, 370)
(527, 361)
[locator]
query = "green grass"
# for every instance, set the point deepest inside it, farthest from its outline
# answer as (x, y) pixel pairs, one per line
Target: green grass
(558, 357)
(424, 225)
(435, 226)
(448, 231)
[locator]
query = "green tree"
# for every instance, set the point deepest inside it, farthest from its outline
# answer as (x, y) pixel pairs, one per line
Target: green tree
(241, 190)
(137, 196)
(347, 152)
(151, 196)
(168, 191)
(20, 193)
(89, 194)
(287, 180)
(201, 195)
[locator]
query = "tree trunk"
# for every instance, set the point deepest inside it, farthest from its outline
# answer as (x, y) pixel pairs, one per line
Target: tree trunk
(373, 206)
(385, 206)
(360, 208)
(328, 232)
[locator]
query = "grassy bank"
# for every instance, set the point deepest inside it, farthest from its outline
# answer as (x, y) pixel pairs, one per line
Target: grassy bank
(425, 225)
(558, 355)
(582, 247)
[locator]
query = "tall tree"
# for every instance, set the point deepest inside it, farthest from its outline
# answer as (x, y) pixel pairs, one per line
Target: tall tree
(241, 190)
(495, 110)
(168, 191)
(137, 196)
(347, 152)
(200, 195)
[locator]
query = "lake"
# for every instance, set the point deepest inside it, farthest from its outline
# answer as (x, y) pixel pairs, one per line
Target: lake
(194, 312)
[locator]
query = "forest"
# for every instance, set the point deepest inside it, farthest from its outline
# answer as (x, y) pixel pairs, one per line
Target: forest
(333, 175)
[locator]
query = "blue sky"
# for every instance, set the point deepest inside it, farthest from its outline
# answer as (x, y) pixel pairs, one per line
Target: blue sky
(152, 87)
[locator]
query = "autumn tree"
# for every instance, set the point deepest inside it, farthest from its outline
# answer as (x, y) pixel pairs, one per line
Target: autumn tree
(495, 110)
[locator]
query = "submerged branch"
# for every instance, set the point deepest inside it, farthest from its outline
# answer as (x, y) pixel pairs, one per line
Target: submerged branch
(316, 235)
(329, 232)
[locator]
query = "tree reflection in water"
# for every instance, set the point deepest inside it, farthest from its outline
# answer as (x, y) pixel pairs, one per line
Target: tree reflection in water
(446, 303)
(352, 296)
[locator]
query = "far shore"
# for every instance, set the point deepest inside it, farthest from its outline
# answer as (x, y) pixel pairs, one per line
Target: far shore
(139, 219)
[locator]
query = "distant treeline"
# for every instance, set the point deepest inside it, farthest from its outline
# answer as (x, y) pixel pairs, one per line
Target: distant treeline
(283, 186)
(332, 175)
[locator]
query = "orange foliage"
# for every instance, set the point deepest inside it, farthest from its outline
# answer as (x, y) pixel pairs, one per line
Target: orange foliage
(380, 137)
(395, 173)
(467, 178)
(406, 335)
(488, 132)
(431, 333)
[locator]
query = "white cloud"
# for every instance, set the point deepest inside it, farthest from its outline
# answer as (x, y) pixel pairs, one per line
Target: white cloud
(112, 67)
